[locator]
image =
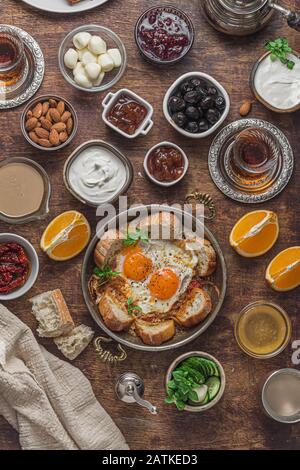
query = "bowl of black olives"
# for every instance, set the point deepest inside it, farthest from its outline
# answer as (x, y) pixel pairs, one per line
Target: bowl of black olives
(196, 105)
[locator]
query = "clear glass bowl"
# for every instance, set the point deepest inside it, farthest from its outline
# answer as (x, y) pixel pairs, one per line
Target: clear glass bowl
(112, 40)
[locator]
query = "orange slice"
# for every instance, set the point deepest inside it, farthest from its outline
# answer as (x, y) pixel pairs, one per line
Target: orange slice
(283, 273)
(66, 236)
(255, 233)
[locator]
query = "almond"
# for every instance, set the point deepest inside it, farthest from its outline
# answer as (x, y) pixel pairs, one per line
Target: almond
(37, 110)
(33, 137)
(245, 108)
(59, 127)
(31, 123)
(42, 133)
(48, 117)
(54, 137)
(46, 124)
(39, 124)
(61, 107)
(52, 103)
(46, 106)
(65, 116)
(44, 143)
(55, 116)
(63, 136)
(29, 114)
(69, 125)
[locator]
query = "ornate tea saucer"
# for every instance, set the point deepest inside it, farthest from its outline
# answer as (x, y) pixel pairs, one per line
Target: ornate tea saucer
(36, 68)
(219, 169)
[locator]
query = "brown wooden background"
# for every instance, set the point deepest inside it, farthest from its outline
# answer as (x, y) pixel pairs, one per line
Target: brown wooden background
(238, 421)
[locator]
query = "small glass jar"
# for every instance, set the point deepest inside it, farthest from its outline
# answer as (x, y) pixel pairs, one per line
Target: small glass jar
(254, 329)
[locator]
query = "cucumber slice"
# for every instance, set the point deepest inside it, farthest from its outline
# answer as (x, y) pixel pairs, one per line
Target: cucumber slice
(213, 384)
(206, 400)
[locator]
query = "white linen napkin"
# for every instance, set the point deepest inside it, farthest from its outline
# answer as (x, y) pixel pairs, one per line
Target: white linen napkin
(48, 401)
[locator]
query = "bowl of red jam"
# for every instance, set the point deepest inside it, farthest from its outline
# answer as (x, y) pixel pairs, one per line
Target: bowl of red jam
(164, 34)
(127, 113)
(166, 164)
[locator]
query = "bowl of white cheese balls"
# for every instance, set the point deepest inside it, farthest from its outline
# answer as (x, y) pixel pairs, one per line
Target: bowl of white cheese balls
(92, 58)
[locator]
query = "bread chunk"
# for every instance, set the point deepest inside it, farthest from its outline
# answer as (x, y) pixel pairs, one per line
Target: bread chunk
(73, 343)
(52, 314)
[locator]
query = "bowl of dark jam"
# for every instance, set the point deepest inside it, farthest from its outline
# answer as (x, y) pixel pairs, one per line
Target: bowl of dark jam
(127, 113)
(166, 164)
(196, 105)
(164, 34)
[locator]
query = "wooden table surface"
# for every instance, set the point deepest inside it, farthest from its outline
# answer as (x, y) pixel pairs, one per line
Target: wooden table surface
(237, 422)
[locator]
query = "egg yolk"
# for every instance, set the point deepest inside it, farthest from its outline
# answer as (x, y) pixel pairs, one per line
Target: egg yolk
(137, 266)
(164, 284)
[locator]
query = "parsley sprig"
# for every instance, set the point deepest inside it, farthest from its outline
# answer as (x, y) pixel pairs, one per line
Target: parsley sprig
(280, 49)
(134, 237)
(105, 274)
(132, 309)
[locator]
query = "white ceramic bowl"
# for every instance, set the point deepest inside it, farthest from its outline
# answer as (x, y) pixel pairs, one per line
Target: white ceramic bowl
(199, 135)
(109, 101)
(34, 263)
(161, 183)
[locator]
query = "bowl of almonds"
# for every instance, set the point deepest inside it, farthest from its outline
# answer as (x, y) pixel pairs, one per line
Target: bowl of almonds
(49, 122)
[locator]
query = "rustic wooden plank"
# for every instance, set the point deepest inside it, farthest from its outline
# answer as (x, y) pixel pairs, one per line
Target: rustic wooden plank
(237, 422)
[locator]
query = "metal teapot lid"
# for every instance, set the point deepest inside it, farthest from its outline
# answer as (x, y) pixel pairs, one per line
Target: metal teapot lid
(243, 7)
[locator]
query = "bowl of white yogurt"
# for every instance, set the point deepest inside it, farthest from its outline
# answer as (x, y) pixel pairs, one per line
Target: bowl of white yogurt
(97, 173)
(276, 86)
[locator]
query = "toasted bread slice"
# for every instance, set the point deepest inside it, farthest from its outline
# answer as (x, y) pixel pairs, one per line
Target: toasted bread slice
(155, 334)
(112, 307)
(194, 309)
(107, 247)
(161, 225)
(207, 258)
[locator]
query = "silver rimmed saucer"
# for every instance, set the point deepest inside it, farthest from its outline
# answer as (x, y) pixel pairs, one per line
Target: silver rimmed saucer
(217, 166)
(36, 68)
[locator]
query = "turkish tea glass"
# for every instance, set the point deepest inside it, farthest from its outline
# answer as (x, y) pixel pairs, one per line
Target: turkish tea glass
(12, 59)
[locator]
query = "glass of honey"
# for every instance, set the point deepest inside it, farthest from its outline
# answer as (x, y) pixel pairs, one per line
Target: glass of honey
(263, 330)
(12, 60)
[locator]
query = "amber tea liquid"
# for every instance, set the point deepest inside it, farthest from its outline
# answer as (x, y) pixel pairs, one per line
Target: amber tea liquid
(12, 59)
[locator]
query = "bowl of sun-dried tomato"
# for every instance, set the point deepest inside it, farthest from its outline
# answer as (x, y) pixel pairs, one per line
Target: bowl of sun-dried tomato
(19, 266)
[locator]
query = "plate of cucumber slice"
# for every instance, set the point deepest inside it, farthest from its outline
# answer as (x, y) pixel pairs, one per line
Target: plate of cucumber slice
(195, 382)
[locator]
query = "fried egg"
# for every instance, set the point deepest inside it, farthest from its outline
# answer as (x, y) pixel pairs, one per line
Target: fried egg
(157, 273)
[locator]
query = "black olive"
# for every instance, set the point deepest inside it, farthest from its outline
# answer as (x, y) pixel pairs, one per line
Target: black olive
(202, 91)
(220, 102)
(192, 97)
(180, 119)
(203, 125)
(201, 113)
(207, 102)
(212, 91)
(176, 104)
(213, 115)
(185, 87)
(192, 113)
(195, 82)
(192, 127)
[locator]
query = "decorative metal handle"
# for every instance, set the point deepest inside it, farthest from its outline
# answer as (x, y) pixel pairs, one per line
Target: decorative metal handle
(107, 356)
(293, 17)
(132, 390)
(205, 199)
